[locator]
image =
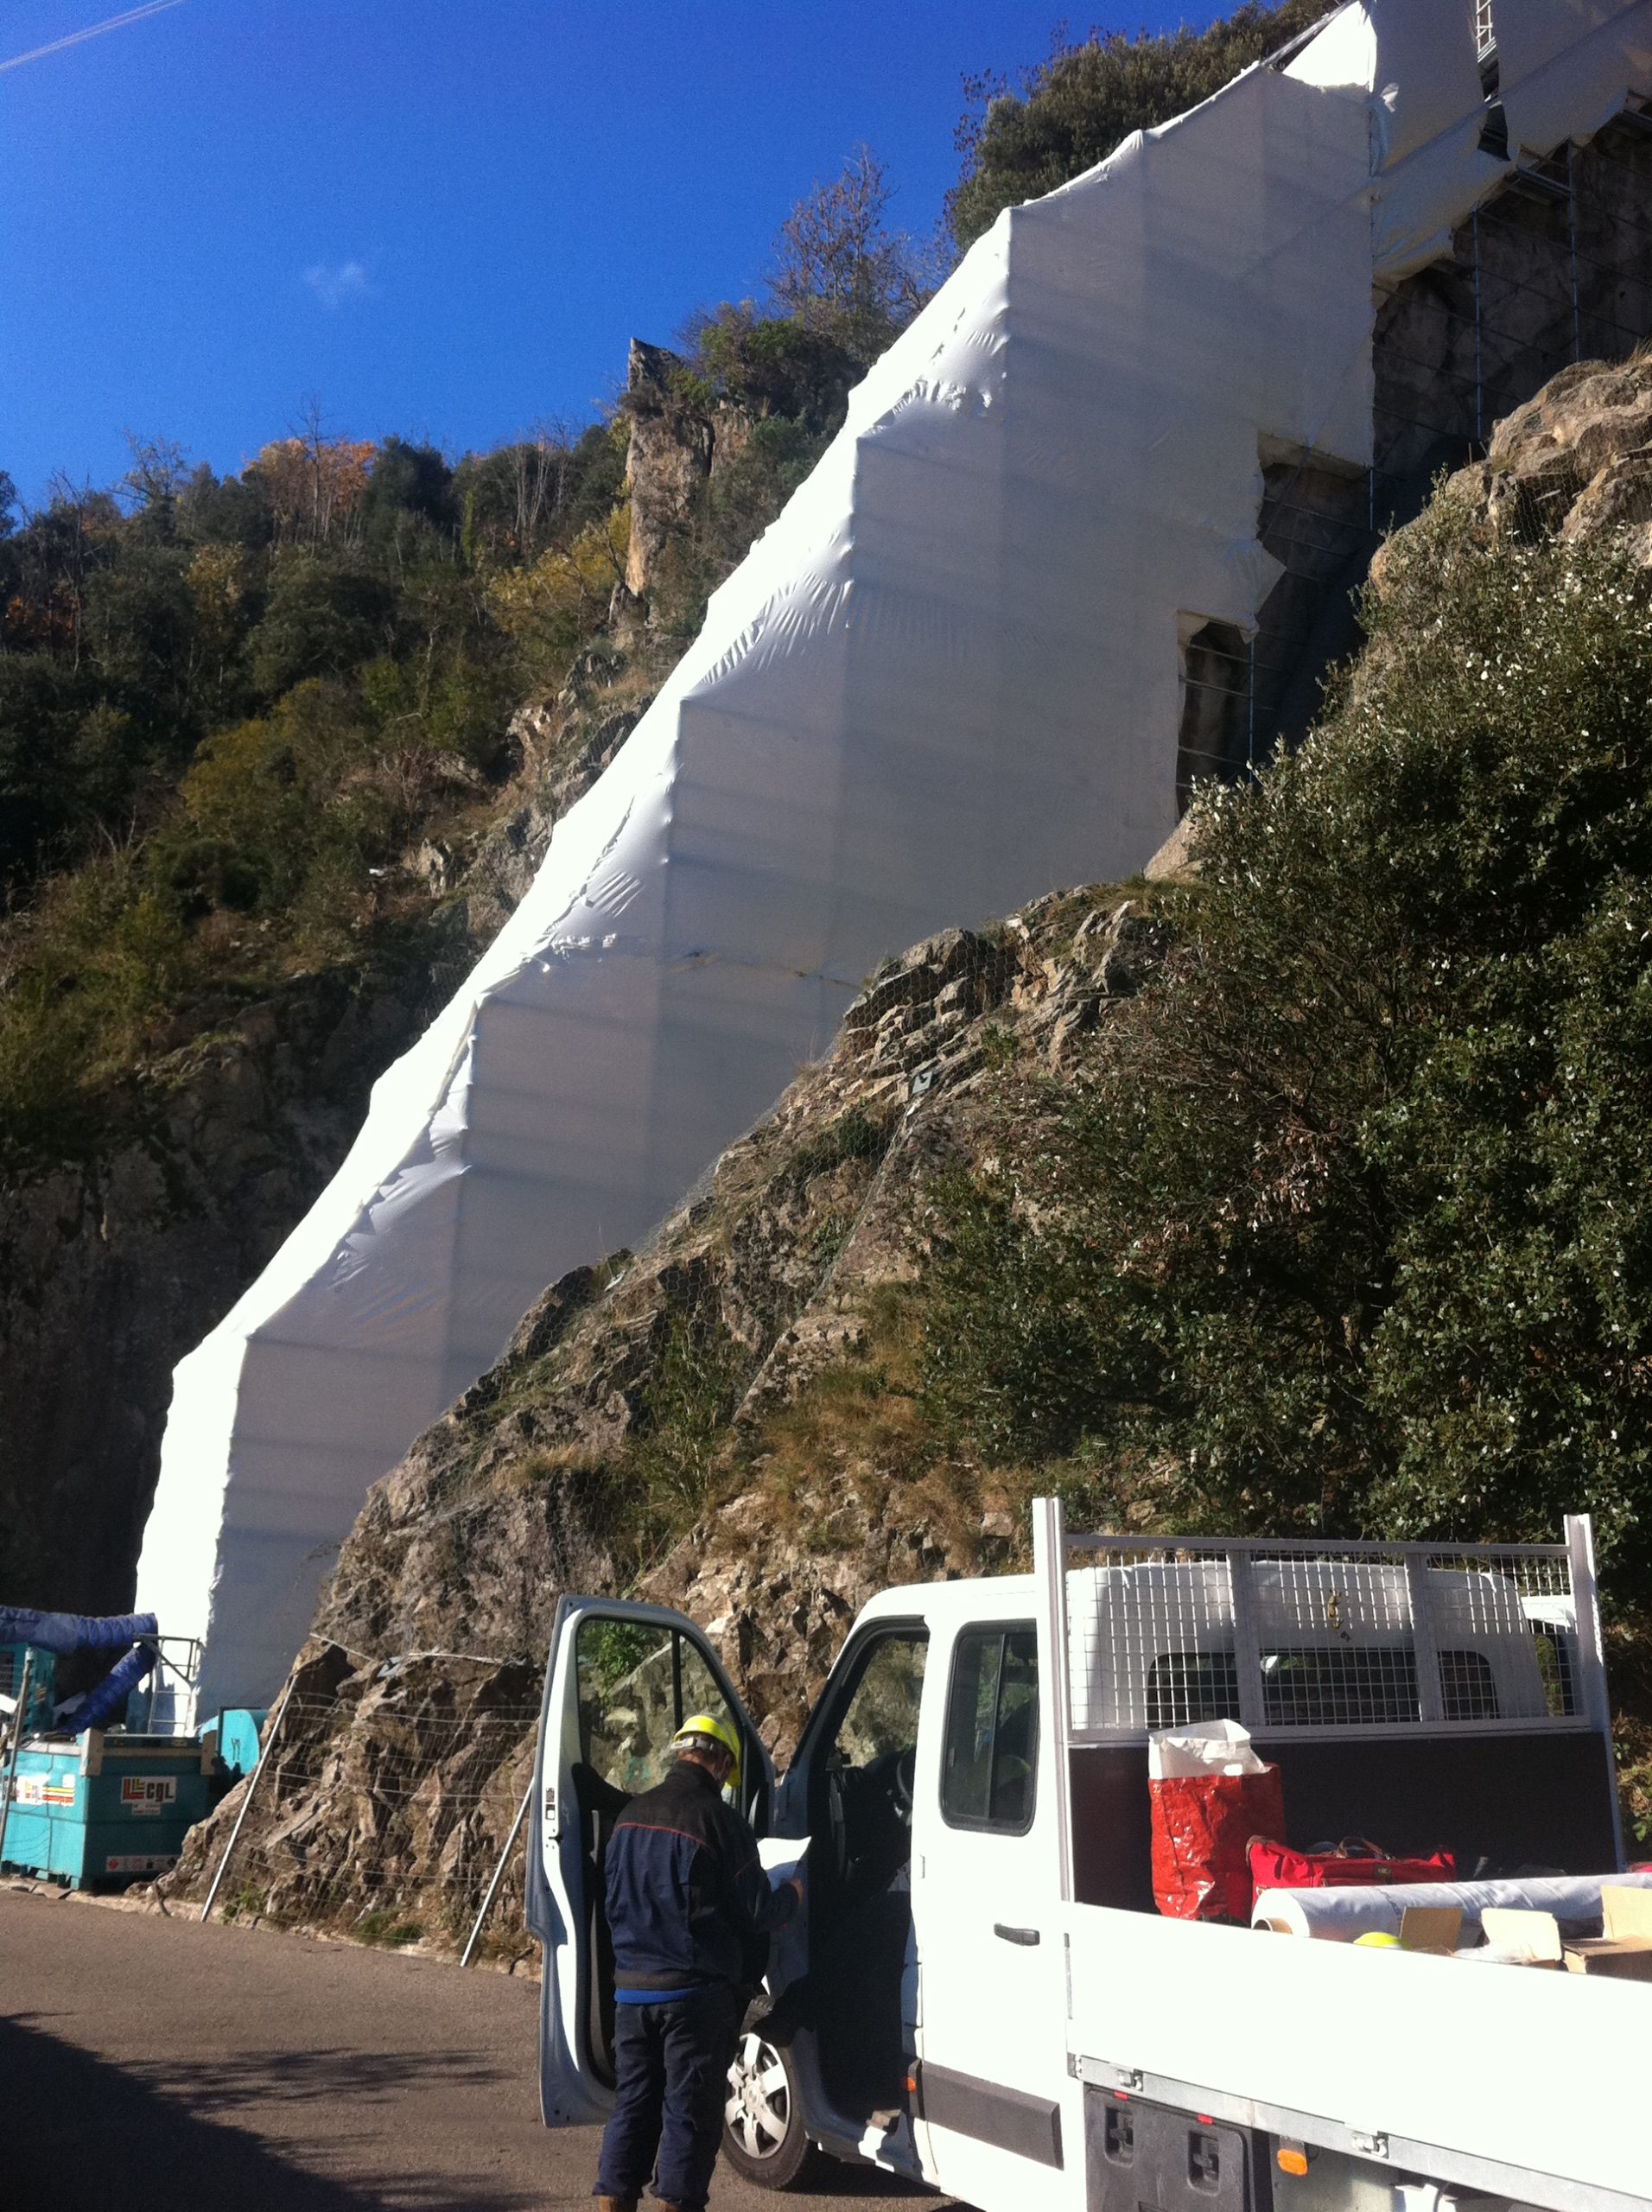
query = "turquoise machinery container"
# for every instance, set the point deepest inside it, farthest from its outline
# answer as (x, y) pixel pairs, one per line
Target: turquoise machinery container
(90, 1804)
(101, 1810)
(237, 1729)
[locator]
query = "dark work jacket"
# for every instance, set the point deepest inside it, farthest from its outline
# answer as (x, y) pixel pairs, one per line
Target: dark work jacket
(686, 1896)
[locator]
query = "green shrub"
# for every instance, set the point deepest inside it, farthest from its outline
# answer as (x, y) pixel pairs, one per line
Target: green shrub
(103, 954)
(1348, 1226)
(325, 617)
(774, 365)
(43, 705)
(384, 1929)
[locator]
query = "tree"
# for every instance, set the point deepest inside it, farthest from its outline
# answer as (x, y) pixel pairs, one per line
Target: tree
(409, 493)
(227, 510)
(539, 468)
(1076, 108)
(321, 619)
(159, 472)
(771, 366)
(42, 704)
(551, 607)
(141, 624)
(315, 484)
(839, 271)
(54, 554)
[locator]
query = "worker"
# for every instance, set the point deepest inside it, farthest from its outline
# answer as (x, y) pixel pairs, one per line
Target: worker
(689, 1904)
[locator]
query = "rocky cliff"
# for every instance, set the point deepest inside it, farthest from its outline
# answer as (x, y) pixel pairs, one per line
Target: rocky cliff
(113, 1268)
(735, 1420)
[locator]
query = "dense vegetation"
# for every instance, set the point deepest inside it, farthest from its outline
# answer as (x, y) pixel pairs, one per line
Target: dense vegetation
(1074, 109)
(228, 704)
(1347, 1225)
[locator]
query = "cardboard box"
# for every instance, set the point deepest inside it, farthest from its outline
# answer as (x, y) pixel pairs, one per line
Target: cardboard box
(1626, 1914)
(1430, 1927)
(1521, 1937)
(1624, 1951)
(1629, 1958)
(1533, 1939)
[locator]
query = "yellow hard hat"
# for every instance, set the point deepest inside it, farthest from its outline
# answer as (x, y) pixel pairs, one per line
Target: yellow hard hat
(707, 1723)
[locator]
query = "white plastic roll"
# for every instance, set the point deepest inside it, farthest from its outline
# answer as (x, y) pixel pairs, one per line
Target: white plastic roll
(1340, 1915)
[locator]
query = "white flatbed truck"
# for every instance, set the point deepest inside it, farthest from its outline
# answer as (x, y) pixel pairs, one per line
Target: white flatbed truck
(980, 1994)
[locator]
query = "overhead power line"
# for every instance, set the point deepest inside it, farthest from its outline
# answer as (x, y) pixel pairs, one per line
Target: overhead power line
(92, 30)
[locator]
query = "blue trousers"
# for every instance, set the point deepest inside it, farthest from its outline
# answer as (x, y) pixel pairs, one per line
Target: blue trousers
(672, 2082)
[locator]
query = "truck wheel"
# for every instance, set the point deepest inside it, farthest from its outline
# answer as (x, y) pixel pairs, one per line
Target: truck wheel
(763, 2130)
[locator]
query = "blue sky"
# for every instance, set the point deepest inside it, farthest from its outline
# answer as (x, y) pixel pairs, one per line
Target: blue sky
(444, 217)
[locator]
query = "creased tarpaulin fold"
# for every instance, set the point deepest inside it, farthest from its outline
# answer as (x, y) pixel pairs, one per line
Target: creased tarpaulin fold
(945, 681)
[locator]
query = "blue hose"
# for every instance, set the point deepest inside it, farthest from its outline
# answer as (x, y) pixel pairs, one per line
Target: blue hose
(111, 1693)
(66, 1632)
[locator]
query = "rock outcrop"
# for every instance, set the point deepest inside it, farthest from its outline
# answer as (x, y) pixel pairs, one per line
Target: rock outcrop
(386, 1798)
(680, 439)
(1574, 463)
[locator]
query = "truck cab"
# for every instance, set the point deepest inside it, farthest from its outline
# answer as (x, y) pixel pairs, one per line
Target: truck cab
(971, 1786)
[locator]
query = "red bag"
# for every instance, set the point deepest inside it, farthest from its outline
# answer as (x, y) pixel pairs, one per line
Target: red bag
(1202, 1824)
(1354, 1863)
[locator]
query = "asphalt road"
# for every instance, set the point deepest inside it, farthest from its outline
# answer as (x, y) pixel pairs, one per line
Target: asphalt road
(164, 2067)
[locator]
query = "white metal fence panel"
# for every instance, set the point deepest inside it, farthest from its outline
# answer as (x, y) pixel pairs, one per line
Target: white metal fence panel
(1294, 1637)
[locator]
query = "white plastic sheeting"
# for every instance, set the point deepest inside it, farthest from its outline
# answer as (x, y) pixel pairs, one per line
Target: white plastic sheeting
(1566, 66)
(1375, 1908)
(945, 681)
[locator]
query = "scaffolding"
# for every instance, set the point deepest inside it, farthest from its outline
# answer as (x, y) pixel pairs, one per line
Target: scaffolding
(1554, 269)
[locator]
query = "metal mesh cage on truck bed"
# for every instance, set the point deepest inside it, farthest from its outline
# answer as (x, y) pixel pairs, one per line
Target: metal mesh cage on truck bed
(1319, 1642)
(1157, 1632)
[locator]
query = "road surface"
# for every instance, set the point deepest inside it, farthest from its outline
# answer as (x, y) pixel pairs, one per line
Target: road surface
(159, 2066)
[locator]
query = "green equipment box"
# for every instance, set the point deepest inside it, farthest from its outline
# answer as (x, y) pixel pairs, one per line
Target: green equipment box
(99, 1810)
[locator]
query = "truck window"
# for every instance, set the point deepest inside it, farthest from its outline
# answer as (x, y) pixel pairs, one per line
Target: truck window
(1188, 1685)
(1468, 1690)
(1338, 1685)
(989, 1766)
(881, 1716)
(637, 1683)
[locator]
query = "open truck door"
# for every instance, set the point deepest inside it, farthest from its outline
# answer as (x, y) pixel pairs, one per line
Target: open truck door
(620, 1681)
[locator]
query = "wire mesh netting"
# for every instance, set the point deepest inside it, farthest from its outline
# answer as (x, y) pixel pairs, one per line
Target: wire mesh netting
(1162, 1634)
(382, 1805)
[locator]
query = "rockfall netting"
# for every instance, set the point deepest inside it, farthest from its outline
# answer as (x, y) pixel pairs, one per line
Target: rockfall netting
(383, 1800)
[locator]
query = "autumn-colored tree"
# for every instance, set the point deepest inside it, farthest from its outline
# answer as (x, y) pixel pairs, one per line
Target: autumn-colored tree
(315, 484)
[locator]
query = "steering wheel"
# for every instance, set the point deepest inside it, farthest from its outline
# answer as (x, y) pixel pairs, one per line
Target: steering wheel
(903, 1781)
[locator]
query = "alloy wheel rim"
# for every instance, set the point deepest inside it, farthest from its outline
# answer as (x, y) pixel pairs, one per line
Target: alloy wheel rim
(758, 2110)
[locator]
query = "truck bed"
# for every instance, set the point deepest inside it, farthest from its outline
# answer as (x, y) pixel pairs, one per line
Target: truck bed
(1530, 2084)
(1426, 1695)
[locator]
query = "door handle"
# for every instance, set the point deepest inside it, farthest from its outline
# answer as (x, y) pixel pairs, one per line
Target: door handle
(1015, 1934)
